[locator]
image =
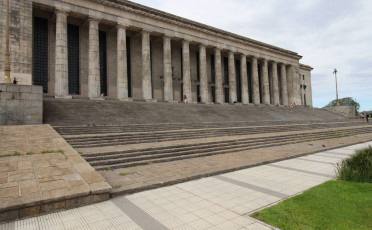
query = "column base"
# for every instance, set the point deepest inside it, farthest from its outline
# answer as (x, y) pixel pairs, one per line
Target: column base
(97, 99)
(63, 97)
(126, 99)
(151, 100)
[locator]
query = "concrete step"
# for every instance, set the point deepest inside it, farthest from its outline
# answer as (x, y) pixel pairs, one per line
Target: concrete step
(147, 156)
(78, 112)
(124, 139)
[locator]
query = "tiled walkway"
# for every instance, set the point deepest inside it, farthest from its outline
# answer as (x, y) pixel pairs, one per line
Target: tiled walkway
(219, 202)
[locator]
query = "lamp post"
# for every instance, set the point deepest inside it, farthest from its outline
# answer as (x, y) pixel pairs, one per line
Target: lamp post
(7, 52)
(335, 72)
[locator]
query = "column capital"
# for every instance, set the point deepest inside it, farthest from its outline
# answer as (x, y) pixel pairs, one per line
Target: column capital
(167, 37)
(231, 52)
(202, 46)
(144, 31)
(242, 55)
(61, 11)
(93, 19)
(121, 26)
(185, 41)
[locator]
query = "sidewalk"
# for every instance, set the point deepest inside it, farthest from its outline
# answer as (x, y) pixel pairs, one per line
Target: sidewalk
(218, 202)
(41, 173)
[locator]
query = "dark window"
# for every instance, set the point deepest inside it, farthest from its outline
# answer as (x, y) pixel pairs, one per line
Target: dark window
(103, 62)
(40, 53)
(197, 66)
(249, 74)
(213, 89)
(182, 67)
(226, 70)
(238, 81)
(213, 69)
(227, 95)
(129, 68)
(198, 93)
(259, 81)
(73, 59)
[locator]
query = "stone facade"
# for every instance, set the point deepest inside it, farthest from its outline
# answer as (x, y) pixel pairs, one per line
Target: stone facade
(149, 55)
(21, 104)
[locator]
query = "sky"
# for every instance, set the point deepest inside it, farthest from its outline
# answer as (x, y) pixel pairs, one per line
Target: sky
(328, 34)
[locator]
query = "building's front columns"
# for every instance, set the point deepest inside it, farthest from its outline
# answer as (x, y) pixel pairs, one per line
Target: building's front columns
(61, 57)
(94, 88)
(186, 70)
(275, 85)
(244, 79)
(146, 66)
(265, 83)
(122, 68)
(232, 78)
(290, 85)
(297, 85)
(167, 69)
(255, 84)
(203, 74)
(283, 83)
(218, 67)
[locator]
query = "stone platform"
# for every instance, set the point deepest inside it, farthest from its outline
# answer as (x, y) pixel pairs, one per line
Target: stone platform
(41, 173)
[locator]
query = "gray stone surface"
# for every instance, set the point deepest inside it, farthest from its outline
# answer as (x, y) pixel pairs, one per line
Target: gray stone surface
(21, 105)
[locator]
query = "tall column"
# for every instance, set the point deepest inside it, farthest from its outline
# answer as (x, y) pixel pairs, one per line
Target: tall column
(61, 66)
(255, 84)
(146, 66)
(94, 74)
(244, 79)
(218, 67)
(203, 74)
(275, 85)
(186, 70)
(265, 83)
(122, 68)
(232, 78)
(283, 82)
(167, 69)
(296, 85)
(290, 86)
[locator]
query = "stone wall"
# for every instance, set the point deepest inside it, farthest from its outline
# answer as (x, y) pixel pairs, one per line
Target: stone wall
(21, 104)
(20, 29)
(347, 111)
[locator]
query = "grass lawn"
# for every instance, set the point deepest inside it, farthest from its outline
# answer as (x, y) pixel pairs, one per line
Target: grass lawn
(332, 205)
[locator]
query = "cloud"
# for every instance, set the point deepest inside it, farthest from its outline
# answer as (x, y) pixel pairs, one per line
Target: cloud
(328, 34)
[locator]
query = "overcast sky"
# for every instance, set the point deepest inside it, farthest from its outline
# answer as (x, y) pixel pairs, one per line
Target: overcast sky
(328, 34)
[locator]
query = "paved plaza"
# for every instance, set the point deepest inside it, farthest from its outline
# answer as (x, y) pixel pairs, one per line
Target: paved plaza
(40, 172)
(219, 202)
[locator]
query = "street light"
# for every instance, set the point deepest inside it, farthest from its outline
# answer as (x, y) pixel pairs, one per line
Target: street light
(335, 72)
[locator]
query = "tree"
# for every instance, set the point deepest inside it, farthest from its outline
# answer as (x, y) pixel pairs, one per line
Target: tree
(347, 101)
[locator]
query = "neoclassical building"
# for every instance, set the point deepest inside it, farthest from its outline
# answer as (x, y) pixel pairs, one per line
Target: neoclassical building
(127, 51)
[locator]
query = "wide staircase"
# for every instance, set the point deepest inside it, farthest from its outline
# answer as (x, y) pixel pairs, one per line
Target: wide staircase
(112, 134)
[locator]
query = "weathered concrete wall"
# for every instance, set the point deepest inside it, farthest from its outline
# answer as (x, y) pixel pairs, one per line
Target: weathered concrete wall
(21, 104)
(347, 111)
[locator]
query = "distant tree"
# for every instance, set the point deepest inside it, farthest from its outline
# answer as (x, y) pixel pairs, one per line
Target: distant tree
(346, 101)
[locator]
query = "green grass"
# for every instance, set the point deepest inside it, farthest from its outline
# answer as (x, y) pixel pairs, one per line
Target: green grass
(356, 168)
(52, 151)
(123, 174)
(116, 186)
(332, 205)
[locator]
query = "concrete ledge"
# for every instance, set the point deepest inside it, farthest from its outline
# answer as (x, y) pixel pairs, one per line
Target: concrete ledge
(127, 99)
(21, 104)
(43, 174)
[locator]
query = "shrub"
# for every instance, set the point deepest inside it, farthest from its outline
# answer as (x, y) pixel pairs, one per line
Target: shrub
(356, 168)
